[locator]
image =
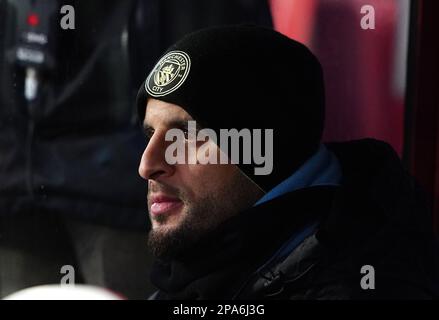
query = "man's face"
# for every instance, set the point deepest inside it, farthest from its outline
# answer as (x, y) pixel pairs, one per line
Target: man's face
(186, 201)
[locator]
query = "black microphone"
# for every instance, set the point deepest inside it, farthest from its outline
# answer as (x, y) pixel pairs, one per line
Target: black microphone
(36, 24)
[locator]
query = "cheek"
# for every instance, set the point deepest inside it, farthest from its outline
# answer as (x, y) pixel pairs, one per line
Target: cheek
(208, 178)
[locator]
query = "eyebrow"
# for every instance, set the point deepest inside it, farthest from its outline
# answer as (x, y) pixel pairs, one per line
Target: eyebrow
(171, 124)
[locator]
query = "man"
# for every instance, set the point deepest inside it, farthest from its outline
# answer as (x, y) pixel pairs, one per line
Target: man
(66, 161)
(336, 221)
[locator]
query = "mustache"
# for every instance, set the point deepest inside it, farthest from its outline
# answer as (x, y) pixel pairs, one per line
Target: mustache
(155, 187)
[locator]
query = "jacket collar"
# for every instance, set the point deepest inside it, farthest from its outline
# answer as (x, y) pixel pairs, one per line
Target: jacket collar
(322, 169)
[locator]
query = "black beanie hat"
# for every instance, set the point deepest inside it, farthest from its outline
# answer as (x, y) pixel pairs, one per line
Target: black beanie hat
(246, 77)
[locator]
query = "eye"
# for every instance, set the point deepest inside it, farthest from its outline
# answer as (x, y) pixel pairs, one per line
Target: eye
(189, 136)
(186, 133)
(149, 132)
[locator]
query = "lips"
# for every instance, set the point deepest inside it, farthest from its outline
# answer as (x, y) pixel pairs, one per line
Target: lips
(162, 204)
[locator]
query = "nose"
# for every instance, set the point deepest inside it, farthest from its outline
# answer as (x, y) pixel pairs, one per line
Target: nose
(153, 163)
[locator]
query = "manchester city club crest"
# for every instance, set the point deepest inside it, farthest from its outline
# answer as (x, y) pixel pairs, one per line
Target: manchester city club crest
(168, 74)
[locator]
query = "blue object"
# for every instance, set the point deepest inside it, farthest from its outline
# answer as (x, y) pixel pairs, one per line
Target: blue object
(322, 169)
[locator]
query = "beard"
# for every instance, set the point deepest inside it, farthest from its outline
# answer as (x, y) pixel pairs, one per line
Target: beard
(201, 216)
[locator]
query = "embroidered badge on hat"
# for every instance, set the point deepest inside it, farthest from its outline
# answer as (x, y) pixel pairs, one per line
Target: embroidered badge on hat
(168, 74)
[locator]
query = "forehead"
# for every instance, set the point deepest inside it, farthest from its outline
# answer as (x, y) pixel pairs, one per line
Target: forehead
(164, 113)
